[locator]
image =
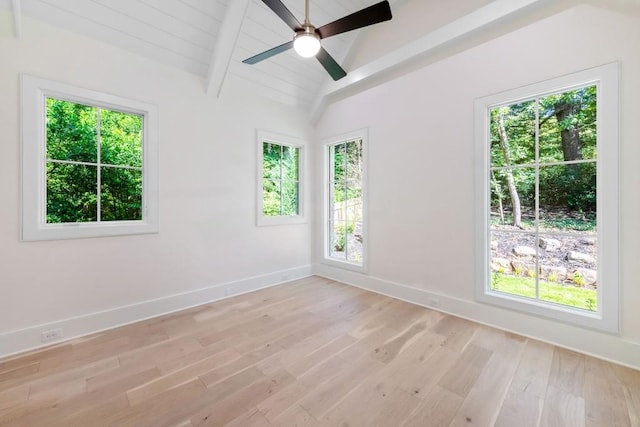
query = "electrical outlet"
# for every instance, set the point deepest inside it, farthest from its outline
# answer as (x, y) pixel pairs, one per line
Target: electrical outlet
(51, 335)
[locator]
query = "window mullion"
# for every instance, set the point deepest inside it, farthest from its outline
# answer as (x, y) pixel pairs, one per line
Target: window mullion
(99, 167)
(331, 204)
(346, 201)
(537, 195)
(280, 183)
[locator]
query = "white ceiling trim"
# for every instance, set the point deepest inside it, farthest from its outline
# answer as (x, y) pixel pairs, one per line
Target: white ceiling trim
(17, 18)
(225, 45)
(486, 15)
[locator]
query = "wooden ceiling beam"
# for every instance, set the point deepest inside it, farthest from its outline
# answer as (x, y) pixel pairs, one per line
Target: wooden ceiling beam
(16, 7)
(225, 45)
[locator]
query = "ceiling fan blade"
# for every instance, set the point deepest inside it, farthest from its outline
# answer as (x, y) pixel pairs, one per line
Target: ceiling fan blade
(269, 53)
(333, 68)
(375, 14)
(285, 14)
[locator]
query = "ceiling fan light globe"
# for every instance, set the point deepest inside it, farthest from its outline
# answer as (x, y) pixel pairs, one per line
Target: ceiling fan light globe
(306, 44)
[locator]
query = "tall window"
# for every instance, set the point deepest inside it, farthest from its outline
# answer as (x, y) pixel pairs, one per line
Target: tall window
(279, 172)
(549, 222)
(346, 197)
(89, 163)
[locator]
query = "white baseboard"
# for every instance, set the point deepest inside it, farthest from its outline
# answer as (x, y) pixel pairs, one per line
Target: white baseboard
(598, 344)
(22, 340)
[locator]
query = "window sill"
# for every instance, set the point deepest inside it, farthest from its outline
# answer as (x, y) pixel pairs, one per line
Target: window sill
(346, 265)
(268, 221)
(88, 230)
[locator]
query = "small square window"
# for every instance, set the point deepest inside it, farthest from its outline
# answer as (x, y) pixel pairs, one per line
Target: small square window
(89, 163)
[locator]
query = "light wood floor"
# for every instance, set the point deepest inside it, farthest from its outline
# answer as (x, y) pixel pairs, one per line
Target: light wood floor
(314, 353)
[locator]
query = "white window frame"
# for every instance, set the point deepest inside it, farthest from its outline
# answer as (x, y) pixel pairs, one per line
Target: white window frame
(33, 158)
(361, 134)
(606, 318)
(263, 136)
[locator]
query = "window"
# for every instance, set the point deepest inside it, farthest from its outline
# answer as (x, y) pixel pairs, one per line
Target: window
(548, 198)
(345, 221)
(280, 183)
(88, 163)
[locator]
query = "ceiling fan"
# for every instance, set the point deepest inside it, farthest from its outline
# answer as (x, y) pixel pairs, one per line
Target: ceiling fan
(306, 40)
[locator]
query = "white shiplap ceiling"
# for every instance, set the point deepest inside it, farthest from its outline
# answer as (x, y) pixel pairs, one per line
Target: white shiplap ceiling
(185, 33)
(210, 38)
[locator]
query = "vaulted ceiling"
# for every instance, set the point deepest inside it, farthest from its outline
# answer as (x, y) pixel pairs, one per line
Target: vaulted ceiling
(198, 35)
(210, 38)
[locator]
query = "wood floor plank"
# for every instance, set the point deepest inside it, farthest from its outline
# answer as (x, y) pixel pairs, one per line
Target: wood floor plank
(214, 376)
(234, 405)
(437, 409)
(37, 356)
(562, 408)
(98, 415)
(274, 406)
(332, 367)
(19, 372)
(298, 363)
(313, 352)
(251, 418)
(422, 364)
(331, 392)
(567, 371)
(484, 400)
(462, 376)
(14, 396)
(605, 402)
(296, 417)
(457, 332)
(156, 411)
(376, 391)
(166, 382)
(392, 409)
(103, 392)
(532, 375)
(520, 407)
(393, 346)
(368, 393)
(632, 398)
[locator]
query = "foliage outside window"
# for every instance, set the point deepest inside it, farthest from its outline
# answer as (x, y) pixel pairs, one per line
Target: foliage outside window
(89, 163)
(280, 179)
(345, 227)
(546, 216)
(94, 164)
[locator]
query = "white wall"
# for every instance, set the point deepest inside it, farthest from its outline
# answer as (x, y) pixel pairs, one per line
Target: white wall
(379, 40)
(421, 169)
(207, 166)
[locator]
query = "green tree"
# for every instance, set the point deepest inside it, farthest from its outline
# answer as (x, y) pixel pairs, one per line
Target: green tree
(280, 179)
(566, 132)
(85, 171)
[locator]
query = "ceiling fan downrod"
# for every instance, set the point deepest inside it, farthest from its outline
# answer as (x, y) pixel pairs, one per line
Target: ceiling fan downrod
(306, 42)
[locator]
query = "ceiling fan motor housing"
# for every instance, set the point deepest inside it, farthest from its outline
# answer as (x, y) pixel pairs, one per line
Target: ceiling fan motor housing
(306, 41)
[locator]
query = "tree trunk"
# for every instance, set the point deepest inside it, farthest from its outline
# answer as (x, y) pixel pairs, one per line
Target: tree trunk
(570, 136)
(511, 184)
(498, 191)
